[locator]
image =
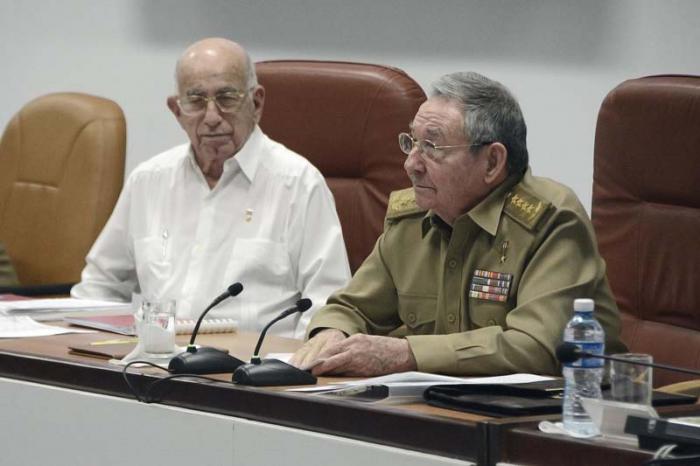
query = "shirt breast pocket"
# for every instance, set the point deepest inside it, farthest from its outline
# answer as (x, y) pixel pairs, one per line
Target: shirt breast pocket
(263, 266)
(152, 264)
(418, 313)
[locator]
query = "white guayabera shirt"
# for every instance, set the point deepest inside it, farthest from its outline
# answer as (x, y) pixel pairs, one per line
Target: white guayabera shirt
(269, 223)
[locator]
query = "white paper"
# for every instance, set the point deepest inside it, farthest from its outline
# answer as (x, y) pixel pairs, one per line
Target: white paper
(412, 384)
(435, 379)
(138, 354)
(315, 388)
(693, 421)
(25, 326)
(610, 416)
(56, 304)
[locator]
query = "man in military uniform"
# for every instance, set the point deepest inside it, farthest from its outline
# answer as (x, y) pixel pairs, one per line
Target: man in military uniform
(7, 272)
(479, 262)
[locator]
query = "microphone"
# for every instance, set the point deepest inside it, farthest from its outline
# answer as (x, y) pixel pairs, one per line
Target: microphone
(231, 291)
(569, 352)
(266, 372)
(206, 360)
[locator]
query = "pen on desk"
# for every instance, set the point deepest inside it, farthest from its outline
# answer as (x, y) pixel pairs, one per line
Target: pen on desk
(116, 341)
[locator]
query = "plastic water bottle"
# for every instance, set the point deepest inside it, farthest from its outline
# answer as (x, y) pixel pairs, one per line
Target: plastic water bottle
(582, 378)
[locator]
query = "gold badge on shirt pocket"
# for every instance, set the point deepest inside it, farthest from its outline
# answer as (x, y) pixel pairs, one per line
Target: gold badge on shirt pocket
(490, 286)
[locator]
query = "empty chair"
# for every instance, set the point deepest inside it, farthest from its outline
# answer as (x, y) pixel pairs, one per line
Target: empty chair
(61, 170)
(646, 213)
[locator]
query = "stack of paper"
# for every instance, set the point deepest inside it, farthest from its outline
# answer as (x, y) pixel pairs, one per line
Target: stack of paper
(409, 386)
(24, 326)
(47, 309)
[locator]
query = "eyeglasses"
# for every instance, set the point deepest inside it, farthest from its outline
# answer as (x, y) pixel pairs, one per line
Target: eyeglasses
(226, 102)
(428, 148)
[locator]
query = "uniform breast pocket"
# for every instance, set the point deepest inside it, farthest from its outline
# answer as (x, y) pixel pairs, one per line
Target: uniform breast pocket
(152, 264)
(261, 265)
(485, 313)
(418, 313)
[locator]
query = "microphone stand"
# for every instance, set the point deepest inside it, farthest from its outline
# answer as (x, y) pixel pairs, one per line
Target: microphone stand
(568, 352)
(268, 372)
(206, 360)
(656, 365)
(256, 354)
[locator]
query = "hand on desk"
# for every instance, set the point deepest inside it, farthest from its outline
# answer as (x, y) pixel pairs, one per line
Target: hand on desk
(330, 352)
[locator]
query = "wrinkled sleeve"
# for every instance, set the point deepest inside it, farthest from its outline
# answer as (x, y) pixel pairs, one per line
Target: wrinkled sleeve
(317, 247)
(110, 272)
(563, 266)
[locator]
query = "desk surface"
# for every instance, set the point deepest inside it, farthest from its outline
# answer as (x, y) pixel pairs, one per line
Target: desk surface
(416, 426)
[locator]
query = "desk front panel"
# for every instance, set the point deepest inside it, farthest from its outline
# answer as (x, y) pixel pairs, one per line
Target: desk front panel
(58, 426)
(417, 428)
(520, 442)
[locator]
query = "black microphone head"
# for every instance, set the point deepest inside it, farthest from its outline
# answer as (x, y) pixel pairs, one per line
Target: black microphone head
(568, 352)
(303, 304)
(234, 289)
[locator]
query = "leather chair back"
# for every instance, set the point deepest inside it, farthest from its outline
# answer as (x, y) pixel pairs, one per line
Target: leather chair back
(646, 213)
(345, 118)
(61, 170)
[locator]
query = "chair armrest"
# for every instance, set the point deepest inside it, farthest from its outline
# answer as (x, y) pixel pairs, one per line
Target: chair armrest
(55, 289)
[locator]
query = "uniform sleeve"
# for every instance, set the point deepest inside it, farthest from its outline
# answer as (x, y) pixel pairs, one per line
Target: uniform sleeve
(367, 304)
(110, 273)
(564, 265)
(317, 246)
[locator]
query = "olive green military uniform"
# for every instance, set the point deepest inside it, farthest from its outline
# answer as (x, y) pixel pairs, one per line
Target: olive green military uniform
(492, 294)
(7, 272)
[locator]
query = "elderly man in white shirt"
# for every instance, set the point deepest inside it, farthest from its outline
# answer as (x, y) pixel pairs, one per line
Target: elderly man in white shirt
(232, 205)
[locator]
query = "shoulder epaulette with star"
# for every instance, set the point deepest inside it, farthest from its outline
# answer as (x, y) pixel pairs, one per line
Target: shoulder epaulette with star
(401, 204)
(526, 208)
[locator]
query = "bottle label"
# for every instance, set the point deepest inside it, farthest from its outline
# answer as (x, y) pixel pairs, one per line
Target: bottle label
(588, 363)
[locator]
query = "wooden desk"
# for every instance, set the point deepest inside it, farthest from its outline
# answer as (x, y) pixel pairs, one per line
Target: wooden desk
(61, 408)
(56, 399)
(520, 442)
(528, 446)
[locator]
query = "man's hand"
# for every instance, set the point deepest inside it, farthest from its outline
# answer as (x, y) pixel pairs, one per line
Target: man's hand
(307, 356)
(365, 355)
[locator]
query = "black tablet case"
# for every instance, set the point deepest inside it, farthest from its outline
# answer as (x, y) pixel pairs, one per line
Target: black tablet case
(527, 399)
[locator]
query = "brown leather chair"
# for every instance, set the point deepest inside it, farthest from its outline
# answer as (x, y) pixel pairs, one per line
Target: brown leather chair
(646, 213)
(344, 118)
(61, 170)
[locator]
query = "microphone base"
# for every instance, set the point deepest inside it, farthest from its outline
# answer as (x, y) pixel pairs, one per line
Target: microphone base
(204, 360)
(271, 372)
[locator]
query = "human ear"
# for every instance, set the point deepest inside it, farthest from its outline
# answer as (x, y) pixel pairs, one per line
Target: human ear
(258, 101)
(173, 106)
(496, 163)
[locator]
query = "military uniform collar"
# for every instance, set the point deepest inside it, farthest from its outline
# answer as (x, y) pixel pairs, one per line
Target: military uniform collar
(430, 220)
(487, 213)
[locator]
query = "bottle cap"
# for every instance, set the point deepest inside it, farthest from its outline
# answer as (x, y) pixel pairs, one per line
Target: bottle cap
(584, 305)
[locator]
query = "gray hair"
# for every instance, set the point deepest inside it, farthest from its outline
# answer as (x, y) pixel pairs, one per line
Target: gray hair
(491, 114)
(251, 76)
